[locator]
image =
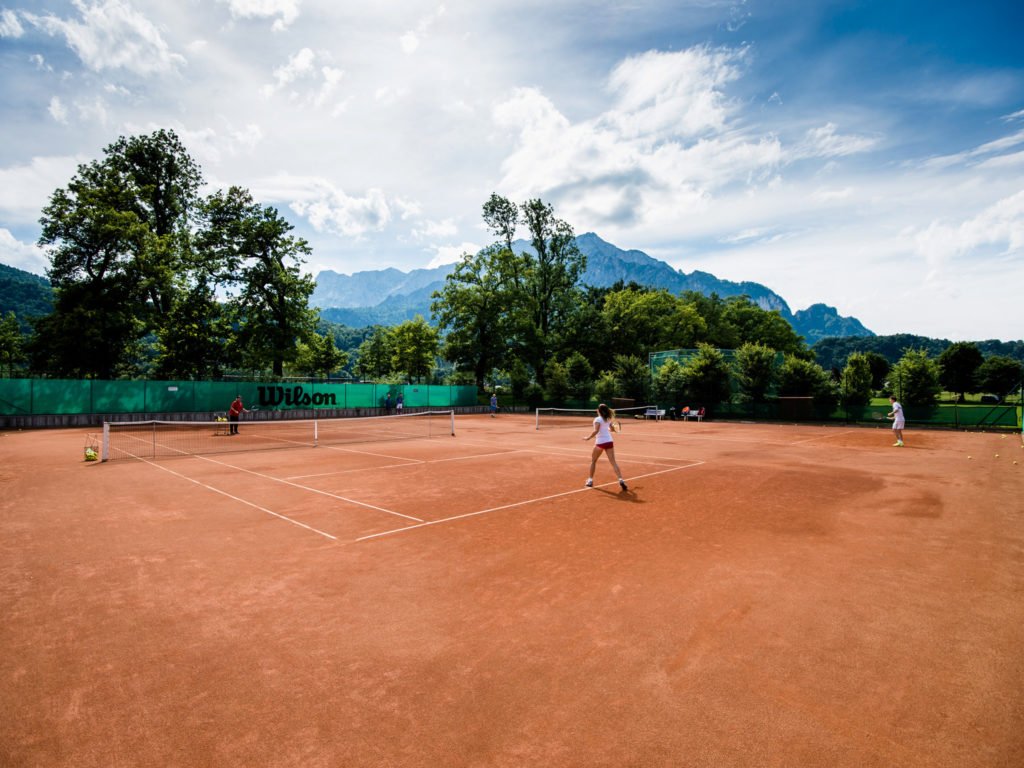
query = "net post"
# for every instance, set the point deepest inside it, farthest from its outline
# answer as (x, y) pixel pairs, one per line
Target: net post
(316, 433)
(105, 450)
(451, 415)
(536, 414)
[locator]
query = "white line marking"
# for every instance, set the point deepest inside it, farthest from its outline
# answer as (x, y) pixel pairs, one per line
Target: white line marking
(369, 453)
(823, 437)
(240, 500)
(516, 504)
(307, 488)
(409, 463)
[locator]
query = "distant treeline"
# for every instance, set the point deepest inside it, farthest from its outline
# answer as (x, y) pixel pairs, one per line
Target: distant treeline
(833, 353)
(28, 296)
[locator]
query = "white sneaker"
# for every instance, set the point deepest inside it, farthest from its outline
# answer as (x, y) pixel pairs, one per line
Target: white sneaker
(589, 483)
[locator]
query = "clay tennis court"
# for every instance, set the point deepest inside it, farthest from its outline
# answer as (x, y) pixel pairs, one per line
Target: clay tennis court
(763, 595)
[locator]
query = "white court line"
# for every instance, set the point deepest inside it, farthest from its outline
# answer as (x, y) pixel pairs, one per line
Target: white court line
(240, 500)
(562, 452)
(369, 453)
(307, 488)
(823, 437)
(411, 462)
(355, 469)
(516, 504)
(623, 455)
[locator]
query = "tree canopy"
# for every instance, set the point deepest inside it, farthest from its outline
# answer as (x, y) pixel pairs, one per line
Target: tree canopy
(147, 273)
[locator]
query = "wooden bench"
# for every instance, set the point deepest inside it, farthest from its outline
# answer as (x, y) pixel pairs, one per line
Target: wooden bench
(657, 413)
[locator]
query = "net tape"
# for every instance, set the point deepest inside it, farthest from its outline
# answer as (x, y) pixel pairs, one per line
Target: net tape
(576, 417)
(159, 439)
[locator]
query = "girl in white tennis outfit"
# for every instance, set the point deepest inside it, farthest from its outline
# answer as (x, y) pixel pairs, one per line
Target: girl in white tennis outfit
(604, 444)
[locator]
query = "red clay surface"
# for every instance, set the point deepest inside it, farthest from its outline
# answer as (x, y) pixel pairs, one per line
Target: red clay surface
(762, 596)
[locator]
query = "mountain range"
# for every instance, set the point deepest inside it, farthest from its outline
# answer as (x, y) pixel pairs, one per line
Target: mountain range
(390, 296)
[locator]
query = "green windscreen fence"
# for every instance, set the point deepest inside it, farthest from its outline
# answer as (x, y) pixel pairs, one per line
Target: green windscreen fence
(797, 409)
(29, 397)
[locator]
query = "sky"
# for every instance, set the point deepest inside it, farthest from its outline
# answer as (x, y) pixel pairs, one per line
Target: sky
(866, 155)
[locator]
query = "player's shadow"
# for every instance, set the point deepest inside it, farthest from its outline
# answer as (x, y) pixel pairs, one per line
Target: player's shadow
(620, 495)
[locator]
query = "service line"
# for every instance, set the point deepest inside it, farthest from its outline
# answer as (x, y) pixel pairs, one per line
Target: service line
(307, 488)
(241, 500)
(517, 504)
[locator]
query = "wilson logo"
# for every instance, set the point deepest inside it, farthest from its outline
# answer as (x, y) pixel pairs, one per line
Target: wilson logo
(296, 397)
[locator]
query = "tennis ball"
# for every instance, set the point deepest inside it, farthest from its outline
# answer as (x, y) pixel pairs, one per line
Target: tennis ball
(997, 455)
(968, 458)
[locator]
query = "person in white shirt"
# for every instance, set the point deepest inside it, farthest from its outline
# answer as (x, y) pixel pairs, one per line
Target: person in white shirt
(898, 420)
(604, 444)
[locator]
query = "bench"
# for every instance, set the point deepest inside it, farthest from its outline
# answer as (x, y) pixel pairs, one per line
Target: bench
(657, 413)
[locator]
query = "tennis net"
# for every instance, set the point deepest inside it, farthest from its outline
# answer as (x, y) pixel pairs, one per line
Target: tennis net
(158, 439)
(548, 418)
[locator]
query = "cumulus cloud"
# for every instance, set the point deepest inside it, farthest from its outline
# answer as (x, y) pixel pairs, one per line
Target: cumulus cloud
(25, 189)
(662, 148)
(410, 41)
(58, 111)
(306, 81)
(995, 231)
(284, 12)
(326, 207)
(435, 230)
(26, 256)
(9, 24)
(112, 35)
(673, 94)
(449, 254)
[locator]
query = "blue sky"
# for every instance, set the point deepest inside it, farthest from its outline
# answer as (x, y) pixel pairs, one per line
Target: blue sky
(867, 155)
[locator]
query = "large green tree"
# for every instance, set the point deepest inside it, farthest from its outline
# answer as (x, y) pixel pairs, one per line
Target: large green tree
(644, 321)
(670, 384)
(373, 358)
(1000, 375)
(319, 356)
(414, 346)
(708, 377)
(118, 238)
(498, 305)
(958, 367)
(915, 379)
(473, 307)
(799, 377)
(262, 265)
(856, 380)
(755, 370)
(551, 291)
(753, 324)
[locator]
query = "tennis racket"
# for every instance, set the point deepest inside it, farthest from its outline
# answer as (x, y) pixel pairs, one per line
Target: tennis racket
(616, 427)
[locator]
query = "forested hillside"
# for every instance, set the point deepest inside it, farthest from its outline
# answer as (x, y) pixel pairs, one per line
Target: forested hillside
(24, 294)
(833, 352)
